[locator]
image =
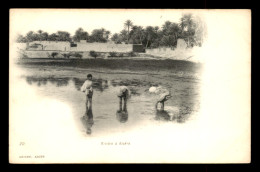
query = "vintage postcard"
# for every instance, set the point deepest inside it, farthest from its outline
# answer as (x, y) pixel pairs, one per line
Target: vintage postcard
(129, 86)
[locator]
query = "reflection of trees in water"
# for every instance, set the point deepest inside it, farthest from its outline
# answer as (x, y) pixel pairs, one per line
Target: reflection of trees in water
(78, 82)
(131, 84)
(97, 84)
(62, 82)
(43, 81)
(100, 84)
(39, 81)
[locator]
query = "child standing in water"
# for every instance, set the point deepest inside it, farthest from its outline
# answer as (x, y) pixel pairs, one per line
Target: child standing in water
(87, 88)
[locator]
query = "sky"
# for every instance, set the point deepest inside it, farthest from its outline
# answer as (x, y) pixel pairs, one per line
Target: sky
(53, 20)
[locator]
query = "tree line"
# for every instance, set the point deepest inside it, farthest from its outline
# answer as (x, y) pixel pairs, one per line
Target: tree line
(97, 35)
(190, 28)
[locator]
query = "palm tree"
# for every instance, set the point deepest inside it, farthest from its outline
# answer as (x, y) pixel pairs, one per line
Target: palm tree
(187, 24)
(156, 28)
(175, 30)
(140, 31)
(150, 34)
(40, 34)
(166, 26)
(136, 34)
(103, 31)
(128, 24)
(107, 32)
(123, 35)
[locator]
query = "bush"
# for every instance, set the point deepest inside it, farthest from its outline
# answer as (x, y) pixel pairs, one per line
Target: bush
(78, 55)
(93, 54)
(74, 54)
(66, 55)
(53, 54)
(112, 54)
(120, 54)
(23, 55)
(131, 54)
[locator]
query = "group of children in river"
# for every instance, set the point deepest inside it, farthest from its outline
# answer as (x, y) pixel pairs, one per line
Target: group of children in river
(123, 94)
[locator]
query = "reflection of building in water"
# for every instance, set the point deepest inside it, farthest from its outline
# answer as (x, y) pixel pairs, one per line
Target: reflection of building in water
(88, 121)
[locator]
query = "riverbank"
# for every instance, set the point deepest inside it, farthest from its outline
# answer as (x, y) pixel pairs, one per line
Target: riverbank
(167, 68)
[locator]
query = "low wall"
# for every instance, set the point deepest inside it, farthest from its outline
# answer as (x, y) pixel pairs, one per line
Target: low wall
(18, 46)
(85, 54)
(194, 54)
(98, 47)
(102, 47)
(53, 45)
(47, 54)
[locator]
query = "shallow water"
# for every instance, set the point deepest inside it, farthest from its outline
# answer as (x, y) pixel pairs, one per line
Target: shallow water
(105, 117)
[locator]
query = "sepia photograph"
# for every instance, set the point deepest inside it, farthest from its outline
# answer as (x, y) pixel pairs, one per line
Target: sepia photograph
(129, 86)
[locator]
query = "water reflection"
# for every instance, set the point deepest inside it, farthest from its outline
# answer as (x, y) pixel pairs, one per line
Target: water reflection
(97, 84)
(184, 114)
(59, 82)
(184, 98)
(87, 120)
(162, 115)
(122, 114)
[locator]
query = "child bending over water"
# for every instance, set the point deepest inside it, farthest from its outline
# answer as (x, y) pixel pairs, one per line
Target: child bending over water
(123, 93)
(164, 95)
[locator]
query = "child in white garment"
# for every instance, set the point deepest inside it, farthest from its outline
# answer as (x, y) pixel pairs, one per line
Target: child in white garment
(87, 88)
